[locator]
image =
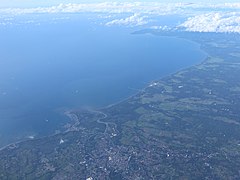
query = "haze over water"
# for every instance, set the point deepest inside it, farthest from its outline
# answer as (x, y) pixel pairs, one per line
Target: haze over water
(50, 67)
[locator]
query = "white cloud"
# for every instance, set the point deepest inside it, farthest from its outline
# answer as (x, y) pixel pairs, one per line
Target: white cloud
(163, 28)
(125, 7)
(140, 11)
(213, 22)
(227, 5)
(107, 7)
(134, 20)
(202, 17)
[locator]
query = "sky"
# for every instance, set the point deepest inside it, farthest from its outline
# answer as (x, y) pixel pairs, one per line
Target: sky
(201, 16)
(36, 3)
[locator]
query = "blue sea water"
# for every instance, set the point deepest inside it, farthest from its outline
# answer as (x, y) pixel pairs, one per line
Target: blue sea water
(51, 66)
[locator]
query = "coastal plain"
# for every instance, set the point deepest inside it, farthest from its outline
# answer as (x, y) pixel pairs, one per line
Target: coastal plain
(182, 126)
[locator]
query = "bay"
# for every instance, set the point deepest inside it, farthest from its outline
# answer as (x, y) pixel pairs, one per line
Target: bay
(52, 66)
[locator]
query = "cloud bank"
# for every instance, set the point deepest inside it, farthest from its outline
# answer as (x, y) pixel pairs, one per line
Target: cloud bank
(134, 20)
(213, 22)
(107, 7)
(198, 17)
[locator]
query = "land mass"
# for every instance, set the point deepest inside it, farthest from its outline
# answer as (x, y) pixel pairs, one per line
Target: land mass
(183, 126)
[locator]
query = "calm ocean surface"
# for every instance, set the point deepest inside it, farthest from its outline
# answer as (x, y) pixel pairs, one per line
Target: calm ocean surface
(47, 68)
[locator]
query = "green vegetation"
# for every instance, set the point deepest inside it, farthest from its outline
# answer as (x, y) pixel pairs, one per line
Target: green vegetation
(184, 126)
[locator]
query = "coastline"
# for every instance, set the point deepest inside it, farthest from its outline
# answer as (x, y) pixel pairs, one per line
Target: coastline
(99, 109)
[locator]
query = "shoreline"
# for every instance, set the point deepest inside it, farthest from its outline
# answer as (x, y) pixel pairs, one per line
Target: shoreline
(68, 113)
(170, 74)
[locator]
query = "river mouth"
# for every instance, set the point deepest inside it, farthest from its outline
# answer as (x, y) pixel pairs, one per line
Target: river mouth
(48, 69)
